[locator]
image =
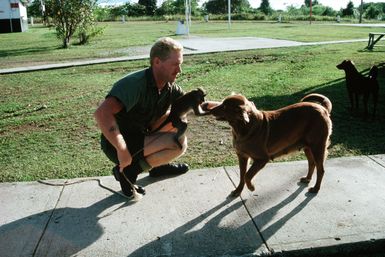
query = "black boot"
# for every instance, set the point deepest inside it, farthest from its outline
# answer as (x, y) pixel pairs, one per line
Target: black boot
(169, 170)
(131, 173)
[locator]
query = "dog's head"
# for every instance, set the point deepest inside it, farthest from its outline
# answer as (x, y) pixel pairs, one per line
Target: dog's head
(234, 109)
(345, 65)
(199, 95)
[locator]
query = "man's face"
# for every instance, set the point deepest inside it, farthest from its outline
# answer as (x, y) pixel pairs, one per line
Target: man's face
(171, 67)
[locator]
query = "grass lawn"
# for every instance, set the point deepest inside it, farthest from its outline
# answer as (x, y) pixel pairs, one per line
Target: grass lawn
(47, 128)
(39, 44)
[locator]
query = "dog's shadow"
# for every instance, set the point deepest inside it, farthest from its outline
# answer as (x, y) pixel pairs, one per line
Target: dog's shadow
(212, 239)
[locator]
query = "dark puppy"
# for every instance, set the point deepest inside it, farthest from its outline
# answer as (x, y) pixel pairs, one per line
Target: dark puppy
(265, 135)
(190, 101)
(357, 85)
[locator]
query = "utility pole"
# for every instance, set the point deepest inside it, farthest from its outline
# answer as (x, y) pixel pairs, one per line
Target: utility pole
(188, 15)
(361, 10)
(229, 14)
(310, 10)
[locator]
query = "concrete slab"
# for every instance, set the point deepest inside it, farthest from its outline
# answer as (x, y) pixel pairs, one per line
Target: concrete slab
(348, 209)
(380, 158)
(233, 43)
(187, 215)
(192, 44)
(25, 209)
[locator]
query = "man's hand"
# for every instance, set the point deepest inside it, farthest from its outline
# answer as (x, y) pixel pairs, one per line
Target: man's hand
(105, 118)
(125, 159)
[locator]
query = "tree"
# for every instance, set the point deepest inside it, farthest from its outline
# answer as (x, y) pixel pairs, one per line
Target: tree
(265, 7)
(313, 2)
(220, 6)
(329, 12)
(70, 16)
(39, 8)
(150, 6)
(34, 9)
(215, 6)
(349, 11)
(167, 8)
(135, 10)
(176, 7)
(372, 12)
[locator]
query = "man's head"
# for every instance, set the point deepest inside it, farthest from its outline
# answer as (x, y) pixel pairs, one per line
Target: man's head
(166, 57)
(163, 48)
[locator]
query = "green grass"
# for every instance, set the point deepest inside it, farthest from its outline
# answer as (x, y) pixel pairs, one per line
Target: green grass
(47, 129)
(39, 45)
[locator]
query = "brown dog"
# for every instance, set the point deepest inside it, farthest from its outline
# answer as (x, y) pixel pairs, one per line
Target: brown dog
(357, 84)
(265, 135)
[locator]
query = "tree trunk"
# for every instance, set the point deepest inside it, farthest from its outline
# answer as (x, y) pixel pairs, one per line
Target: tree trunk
(66, 42)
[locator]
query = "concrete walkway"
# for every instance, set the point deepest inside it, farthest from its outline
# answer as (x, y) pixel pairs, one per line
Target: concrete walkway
(193, 45)
(192, 215)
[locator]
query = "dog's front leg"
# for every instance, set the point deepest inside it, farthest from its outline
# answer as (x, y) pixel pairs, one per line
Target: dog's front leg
(243, 163)
(257, 166)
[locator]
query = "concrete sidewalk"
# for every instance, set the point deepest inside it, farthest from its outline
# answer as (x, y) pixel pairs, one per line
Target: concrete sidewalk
(192, 215)
(193, 45)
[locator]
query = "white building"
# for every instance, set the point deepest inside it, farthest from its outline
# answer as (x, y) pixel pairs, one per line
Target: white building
(13, 16)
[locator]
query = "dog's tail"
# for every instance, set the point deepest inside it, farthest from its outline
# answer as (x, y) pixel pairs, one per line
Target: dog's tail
(373, 72)
(319, 99)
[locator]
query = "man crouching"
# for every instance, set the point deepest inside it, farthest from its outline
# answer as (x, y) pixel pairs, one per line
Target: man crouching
(136, 104)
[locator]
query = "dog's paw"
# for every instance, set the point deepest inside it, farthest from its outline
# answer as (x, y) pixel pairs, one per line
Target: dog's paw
(313, 190)
(250, 186)
(235, 193)
(304, 180)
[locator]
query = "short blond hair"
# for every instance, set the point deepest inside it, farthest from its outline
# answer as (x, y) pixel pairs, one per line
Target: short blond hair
(163, 48)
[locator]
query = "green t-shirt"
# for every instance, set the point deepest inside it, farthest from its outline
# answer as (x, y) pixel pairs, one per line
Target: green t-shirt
(142, 101)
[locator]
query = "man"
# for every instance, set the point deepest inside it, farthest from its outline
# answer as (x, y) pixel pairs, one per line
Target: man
(137, 104)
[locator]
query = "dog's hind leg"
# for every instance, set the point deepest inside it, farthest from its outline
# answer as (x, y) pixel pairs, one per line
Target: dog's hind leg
(257, 166)
(311, 165)
(181, 129)
(319, 158)
(243, 164)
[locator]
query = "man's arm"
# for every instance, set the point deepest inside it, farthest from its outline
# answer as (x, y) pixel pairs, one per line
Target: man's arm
(105, 118)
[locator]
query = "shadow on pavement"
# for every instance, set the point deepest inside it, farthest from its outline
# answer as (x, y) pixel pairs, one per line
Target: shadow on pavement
(74, 228)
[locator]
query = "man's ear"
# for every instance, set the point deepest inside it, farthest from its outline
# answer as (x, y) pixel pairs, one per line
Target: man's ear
(156, 61)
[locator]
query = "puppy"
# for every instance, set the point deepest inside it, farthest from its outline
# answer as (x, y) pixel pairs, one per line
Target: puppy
(265, 135)
(357, 85)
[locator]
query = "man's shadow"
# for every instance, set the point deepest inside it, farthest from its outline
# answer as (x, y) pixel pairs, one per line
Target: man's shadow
(64, 231)
(56, 232)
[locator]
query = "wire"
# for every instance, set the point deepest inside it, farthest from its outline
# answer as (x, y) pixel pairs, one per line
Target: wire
(82, 181)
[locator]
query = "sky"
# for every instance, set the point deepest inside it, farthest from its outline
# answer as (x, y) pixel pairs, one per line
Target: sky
(335, 4)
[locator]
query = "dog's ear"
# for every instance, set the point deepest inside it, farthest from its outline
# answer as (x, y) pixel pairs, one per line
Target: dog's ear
(201, 91)
(246, 118)
(243, 114)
